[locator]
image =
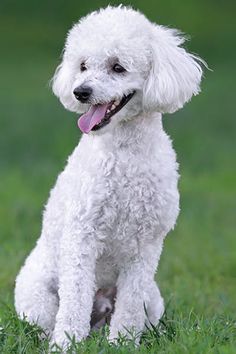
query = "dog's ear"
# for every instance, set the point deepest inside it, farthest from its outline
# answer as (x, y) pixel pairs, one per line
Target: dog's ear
(174, 76)
(62, 84)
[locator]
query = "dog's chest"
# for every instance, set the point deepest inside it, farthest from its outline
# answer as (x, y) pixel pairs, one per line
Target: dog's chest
(121, 197)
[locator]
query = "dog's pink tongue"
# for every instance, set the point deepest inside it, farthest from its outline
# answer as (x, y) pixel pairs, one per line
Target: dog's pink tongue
(94, 116)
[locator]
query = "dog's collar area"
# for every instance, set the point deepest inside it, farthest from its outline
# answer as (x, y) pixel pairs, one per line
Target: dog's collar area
(112, 110)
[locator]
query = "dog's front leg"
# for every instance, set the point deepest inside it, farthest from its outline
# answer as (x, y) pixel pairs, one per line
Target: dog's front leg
(76, 285)
(134, 286)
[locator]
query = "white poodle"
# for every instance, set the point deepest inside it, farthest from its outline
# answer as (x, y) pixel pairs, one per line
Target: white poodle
(111, 208)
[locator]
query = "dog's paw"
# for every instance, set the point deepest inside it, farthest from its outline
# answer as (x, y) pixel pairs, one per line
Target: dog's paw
(60, 342)
(123, 335)
(65, 339)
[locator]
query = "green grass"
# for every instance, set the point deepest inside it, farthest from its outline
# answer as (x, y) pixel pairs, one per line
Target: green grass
(175, 334)
(197, 269)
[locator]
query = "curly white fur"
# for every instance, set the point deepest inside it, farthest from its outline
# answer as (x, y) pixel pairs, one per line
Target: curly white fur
(116, 200)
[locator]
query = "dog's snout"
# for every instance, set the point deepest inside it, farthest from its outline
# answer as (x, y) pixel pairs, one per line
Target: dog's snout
(83, 93)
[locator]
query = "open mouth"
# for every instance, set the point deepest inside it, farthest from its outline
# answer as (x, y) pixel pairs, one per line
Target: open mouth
(100, 115)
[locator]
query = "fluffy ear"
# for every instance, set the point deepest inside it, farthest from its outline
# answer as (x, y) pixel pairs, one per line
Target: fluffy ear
(174, 76)
(62, 85)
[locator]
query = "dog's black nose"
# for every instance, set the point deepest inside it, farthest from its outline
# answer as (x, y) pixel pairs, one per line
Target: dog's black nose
(82, 93)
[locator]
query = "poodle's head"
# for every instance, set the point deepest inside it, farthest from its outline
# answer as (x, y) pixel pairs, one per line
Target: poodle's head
(117, 64)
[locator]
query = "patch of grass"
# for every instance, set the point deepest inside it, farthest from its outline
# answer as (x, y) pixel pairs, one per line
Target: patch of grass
(176, 333)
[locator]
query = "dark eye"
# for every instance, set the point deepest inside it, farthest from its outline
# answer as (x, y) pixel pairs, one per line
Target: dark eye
(118, 68)
(83, 67)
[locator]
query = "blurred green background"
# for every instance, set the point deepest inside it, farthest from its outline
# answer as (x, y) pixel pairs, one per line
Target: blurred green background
(198, 265)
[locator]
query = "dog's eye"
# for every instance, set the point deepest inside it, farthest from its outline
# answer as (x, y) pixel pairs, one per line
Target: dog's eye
(118, 68)
(83, 67)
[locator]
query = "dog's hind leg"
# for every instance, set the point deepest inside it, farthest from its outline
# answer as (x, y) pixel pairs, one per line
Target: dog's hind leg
(36, 296)
(154, 307)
